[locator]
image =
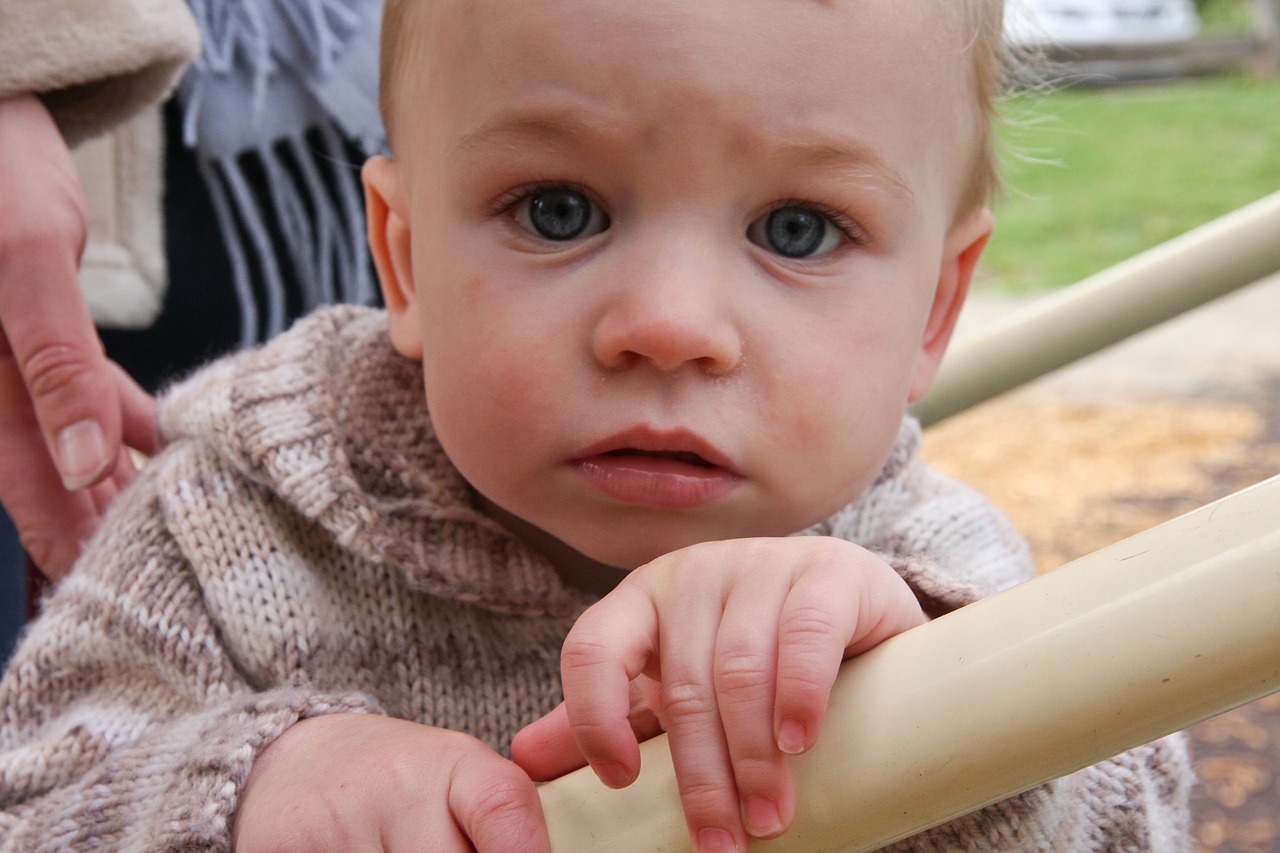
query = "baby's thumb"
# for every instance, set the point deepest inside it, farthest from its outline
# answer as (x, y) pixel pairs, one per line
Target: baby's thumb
(545, 748)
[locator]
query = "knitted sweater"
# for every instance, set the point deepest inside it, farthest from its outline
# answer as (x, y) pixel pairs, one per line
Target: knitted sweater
(303, 547)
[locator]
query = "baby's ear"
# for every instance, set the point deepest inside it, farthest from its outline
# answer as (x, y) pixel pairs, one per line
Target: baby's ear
(960, 252)
(389, 241)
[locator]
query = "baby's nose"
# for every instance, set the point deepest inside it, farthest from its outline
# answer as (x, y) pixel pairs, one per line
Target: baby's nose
(670, 322)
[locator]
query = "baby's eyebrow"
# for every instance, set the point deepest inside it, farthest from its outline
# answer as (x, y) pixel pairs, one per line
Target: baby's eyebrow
(855, 160)
(526, 126)
(848, 158)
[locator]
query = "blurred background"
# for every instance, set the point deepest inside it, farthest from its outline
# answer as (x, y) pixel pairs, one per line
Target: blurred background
(1150, 118)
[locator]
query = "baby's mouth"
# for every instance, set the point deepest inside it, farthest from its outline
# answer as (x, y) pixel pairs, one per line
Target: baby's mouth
(674, 470)
(675, 455)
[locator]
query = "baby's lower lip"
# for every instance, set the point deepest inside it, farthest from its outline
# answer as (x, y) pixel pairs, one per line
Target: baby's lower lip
(656, 481)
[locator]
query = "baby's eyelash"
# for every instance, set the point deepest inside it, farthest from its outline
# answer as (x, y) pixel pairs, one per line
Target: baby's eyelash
(839, 218)
(508, 201)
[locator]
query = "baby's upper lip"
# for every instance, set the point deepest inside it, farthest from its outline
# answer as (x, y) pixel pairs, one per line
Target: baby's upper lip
(680, 444)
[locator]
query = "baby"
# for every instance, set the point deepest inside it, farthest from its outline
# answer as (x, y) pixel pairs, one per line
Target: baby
(661, 279)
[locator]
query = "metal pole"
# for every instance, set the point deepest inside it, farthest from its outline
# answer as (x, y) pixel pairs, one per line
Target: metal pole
(1141, 639)
(1184, 273)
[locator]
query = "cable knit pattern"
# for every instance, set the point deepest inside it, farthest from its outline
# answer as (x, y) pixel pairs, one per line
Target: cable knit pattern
(304, 547)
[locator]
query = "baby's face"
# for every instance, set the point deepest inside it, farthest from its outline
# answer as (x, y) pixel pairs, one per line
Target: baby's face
(671, 267)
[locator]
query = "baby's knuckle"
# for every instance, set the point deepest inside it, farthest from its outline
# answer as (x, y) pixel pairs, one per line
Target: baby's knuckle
(505, 802)
(756, 774)
(707, 799)
(744, 672)
(687, 697)
(809, 626)
(584, 650)
(802, 683)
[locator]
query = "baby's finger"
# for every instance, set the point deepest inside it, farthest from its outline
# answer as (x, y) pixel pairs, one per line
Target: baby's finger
(610, 644)
(545, 749)
(814, 638)
(746, 671)
(496, 806)
(695, 731)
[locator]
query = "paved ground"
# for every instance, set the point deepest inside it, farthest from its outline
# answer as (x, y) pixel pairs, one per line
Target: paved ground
(1146, 431)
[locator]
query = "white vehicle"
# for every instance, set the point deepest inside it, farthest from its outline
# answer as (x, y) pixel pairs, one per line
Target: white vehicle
(1100, 22)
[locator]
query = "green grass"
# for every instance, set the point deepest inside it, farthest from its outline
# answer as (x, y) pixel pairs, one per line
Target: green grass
(1224, 16)
(1095, 176)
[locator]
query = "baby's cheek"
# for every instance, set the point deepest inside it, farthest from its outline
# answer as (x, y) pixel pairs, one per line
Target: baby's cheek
(840, 449)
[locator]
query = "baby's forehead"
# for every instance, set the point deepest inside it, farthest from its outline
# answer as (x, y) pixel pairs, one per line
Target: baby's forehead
(920, 50)
(459, 26)
(940, 17)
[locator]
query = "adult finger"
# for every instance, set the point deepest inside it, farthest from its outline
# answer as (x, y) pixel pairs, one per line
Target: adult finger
(140, 432)
(52, 523)
(50, 334)
(138, 413)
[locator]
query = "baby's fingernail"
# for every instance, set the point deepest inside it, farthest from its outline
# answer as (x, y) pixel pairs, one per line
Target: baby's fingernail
(82, 454)
(762, 818)
(613, 774)
(792, 737)
(715, 841)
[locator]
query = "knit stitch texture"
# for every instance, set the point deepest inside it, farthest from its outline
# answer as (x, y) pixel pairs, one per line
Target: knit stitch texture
(304, 547)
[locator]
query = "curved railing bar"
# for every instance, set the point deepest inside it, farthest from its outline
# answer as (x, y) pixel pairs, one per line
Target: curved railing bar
(1141, 639)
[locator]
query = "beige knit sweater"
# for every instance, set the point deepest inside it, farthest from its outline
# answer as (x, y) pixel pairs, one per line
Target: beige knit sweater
(303, 547)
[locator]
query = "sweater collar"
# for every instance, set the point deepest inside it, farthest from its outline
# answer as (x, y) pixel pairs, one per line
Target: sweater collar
(334, 422)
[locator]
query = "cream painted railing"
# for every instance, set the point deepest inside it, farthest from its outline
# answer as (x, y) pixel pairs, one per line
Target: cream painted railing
(1184, 273)
(1138, 640)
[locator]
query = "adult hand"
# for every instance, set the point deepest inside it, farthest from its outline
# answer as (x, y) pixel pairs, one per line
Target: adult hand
(355, 782)
(66, 411)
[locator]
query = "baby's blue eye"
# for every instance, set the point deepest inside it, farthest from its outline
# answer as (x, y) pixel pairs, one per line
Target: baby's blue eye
(795, 232)
(560, 214)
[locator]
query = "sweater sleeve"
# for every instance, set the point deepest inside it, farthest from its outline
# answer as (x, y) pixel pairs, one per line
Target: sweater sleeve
(95, 64)
(126, 724)
(953, 547)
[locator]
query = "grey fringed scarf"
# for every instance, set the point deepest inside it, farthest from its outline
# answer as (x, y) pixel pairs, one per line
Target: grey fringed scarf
(272, 72)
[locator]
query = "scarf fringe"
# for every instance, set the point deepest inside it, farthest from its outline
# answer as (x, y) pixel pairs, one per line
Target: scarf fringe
(308, 70)
(319, 231)
(301, 38)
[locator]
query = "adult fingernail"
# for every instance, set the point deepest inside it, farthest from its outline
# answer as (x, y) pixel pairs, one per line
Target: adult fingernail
(792, 737)
(82, 454)
(715, 841)
(763, 820)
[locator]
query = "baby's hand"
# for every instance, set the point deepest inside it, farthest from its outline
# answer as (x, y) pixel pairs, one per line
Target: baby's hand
(735, 646)
(354, 782)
